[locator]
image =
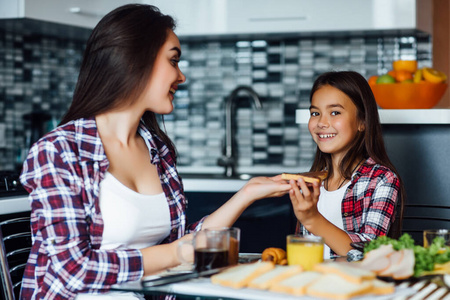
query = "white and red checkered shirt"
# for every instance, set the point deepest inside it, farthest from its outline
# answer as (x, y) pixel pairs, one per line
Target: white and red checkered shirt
(368, 207)
(62, 173)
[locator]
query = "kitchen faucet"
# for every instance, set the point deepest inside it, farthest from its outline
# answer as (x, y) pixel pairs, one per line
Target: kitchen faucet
(228, 160)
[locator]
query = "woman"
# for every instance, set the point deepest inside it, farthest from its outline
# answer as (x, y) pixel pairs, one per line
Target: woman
(107, 202)
(362, 196)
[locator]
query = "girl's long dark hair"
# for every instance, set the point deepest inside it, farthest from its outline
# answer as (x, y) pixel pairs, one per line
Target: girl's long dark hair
(118, 62)
(367, 143)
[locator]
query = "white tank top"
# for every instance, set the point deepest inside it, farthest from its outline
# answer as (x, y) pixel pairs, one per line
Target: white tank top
(131, 220)
(329, 206)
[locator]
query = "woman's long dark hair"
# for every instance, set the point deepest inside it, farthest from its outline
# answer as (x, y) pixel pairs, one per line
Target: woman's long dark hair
(367, 143)
(118, 62)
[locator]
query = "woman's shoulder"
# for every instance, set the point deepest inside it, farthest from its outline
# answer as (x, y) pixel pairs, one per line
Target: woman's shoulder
(78, 136)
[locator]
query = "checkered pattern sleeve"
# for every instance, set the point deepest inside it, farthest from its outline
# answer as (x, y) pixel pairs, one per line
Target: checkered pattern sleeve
(368, 209)
(65, 258)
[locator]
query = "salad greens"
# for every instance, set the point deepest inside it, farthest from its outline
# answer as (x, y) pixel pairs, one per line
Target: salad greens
(425, 258)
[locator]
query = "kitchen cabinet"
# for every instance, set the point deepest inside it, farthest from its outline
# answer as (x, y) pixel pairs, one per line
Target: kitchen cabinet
(216, 17)
(82, 13)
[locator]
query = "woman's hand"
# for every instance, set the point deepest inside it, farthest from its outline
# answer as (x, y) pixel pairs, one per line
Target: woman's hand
(304, 200)
(266, 187)
(255, 189)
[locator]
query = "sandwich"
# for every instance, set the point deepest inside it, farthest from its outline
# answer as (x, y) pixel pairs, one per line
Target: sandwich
(308, 177)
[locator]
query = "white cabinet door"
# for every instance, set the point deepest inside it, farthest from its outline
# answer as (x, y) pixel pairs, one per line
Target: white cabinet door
(216, 17)
(206, 17)
(83, 13)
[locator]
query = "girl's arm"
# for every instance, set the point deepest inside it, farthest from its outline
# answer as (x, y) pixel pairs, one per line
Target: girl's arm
(304, 201)
(378, 214)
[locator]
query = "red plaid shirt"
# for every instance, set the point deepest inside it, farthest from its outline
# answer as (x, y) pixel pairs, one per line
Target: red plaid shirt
(369, 203)
(62, 173)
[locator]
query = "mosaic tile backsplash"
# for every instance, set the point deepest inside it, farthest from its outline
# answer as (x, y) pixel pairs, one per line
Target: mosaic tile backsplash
(38, 75)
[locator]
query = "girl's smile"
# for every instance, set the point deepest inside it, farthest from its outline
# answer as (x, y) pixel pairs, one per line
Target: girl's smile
(326, 136)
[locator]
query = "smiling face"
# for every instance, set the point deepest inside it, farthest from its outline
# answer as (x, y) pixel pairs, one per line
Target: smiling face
(334, 121)
(165, 78)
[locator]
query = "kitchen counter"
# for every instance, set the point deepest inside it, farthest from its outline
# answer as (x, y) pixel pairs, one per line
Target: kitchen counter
(14, 204)
(211, 178)
(200, 183)
(397, 116)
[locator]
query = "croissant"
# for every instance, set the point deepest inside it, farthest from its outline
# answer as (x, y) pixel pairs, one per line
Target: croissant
(275, 255)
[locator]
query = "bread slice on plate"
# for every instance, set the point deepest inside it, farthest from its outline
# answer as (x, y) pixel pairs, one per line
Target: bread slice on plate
(350, 273)
(268, 279)
(380, 287)
(309, 177)
(333, 286)
(239, 276)
(296, 284)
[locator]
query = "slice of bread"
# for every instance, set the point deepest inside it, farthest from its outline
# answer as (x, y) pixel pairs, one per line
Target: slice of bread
(380, 287)
(296, 284)
(309, 177)
(279, 273)
(239, 276)
(350, 273)
(333, 286)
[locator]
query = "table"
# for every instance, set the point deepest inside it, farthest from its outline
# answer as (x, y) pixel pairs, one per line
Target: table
(202, 288)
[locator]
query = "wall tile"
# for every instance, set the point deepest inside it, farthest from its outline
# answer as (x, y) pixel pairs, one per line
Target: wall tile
(39, 73)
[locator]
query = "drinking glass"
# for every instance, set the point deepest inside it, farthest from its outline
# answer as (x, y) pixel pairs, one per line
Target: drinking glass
(211, 248)
(233, 249)
(430, 234)
(304, 250)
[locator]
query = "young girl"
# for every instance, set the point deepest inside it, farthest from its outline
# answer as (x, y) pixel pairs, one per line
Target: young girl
(107, 203)
(362, 196)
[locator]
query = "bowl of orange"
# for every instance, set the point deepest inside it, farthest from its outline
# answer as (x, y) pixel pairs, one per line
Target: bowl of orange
(406, 87)
(420, 95)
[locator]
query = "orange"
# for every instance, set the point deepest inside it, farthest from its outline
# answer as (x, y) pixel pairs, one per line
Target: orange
(434, 76)
(372, 79)
(405, 65)
(402, 75)
(392, 73)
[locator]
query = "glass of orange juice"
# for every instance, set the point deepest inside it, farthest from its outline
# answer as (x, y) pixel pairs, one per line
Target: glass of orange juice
(304, 250)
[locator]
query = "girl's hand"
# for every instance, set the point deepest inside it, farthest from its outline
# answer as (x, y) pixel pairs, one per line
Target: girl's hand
(266, 187)
(304, 200)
